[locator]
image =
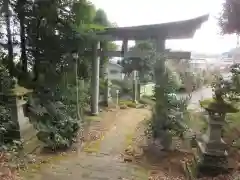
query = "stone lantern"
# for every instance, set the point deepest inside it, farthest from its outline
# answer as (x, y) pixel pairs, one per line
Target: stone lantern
(212, 156)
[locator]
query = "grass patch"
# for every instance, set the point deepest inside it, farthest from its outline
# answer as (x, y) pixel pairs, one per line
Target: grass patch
(129, 139)
(93, 147)
(147, 100)
(92, 118)
(127, 103)
(43, 161)
(141, 173)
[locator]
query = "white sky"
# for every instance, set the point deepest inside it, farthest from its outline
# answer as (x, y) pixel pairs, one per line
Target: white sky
(139, 12)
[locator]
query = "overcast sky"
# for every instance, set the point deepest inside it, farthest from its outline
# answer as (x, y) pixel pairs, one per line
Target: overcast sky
(139, 12)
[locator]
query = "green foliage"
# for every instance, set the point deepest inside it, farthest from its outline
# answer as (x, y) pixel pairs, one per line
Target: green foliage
(102, 86)
(57, 131)
(192, 81)
(215, 106)
(197, 121)
(228, 20)
(189, 78)
(123, 86)
(174, 80)
(7, 83)
(229, 88)
(4, 124)
(8, 127)
(54, 117)
(143, 65)
(101, 18)
(50, 31)
(67, 96)
(57, 123)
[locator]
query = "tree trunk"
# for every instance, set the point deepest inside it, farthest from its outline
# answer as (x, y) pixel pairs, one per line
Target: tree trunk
(9, 33)
(23, 42)
(36, 53)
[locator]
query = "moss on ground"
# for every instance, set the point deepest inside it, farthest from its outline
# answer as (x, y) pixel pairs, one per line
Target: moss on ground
(94, 146)
(92, 118)
(127, 103)
(43, 162)
(129, 139)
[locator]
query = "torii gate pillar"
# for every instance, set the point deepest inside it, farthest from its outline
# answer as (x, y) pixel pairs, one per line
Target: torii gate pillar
(95, 79)
(160, 44)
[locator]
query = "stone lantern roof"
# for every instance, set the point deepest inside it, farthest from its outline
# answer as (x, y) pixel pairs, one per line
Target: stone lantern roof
(212, 105)
(172, 30)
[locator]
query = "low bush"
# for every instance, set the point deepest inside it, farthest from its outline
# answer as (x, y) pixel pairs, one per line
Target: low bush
(55, 128)
(55, 117)
(9, 129)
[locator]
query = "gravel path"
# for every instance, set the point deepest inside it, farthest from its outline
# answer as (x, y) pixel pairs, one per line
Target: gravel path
(106, 162)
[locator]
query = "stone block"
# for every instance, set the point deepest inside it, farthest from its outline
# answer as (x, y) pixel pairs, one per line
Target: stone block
(212, 162)
(26, 129)
(215, 147)
(204, 165)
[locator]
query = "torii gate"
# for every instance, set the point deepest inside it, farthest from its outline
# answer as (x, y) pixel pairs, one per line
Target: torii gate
(158, 32)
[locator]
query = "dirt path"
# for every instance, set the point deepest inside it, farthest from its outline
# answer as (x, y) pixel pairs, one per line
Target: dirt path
(101, 159)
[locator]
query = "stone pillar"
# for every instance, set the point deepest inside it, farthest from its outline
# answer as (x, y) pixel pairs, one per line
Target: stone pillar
(14, 130)
(160, 44)
(125, 48)
(77, 87)
(82, 89)
(103, 64)
(135, 87)
(159, 68)
(81, 84)
(139, 90)
(107, 95)
(164, 135)
(95, 80)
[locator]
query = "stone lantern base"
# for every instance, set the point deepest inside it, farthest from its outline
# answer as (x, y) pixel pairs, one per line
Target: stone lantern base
(212, 158)
(207, 161)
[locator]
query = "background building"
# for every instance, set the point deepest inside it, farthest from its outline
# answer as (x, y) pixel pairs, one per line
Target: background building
(115, 71)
